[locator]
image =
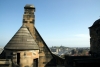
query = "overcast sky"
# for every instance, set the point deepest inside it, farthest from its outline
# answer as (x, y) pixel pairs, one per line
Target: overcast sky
(59, 22)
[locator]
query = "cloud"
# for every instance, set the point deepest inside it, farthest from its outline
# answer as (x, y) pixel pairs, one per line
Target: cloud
(82, 35)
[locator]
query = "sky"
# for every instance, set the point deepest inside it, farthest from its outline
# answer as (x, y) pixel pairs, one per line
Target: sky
(59, 22)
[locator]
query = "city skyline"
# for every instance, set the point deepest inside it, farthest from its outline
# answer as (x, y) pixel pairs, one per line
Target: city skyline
(58, 22)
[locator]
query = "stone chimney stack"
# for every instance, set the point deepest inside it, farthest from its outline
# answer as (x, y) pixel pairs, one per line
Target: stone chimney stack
(29, 18)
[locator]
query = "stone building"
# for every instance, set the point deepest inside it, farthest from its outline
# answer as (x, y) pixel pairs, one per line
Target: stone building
(92, 60)
(95, 38)
(27, 48)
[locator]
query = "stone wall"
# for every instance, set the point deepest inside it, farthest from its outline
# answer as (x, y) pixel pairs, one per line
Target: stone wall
(95, 39)
(26, 58)
(5, 63)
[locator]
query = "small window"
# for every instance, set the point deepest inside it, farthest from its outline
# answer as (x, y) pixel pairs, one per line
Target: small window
(25, 21)
(31, 22)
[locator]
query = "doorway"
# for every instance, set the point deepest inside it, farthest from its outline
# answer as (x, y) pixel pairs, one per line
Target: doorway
(35, 64)
(18, 58)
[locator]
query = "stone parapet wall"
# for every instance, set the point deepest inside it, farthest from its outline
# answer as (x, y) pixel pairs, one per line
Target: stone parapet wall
(5, 63)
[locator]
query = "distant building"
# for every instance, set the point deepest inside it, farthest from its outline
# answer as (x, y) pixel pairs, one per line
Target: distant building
(27, 48)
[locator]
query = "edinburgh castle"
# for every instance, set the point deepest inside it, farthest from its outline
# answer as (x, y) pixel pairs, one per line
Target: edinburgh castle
(28, 49)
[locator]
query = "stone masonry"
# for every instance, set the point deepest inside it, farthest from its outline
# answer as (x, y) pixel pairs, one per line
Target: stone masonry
(95, 38)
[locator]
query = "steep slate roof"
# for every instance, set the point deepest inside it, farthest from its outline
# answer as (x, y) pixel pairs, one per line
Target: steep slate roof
(22, 40)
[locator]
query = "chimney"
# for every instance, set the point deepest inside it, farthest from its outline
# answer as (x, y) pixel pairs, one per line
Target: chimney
(29, 18)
